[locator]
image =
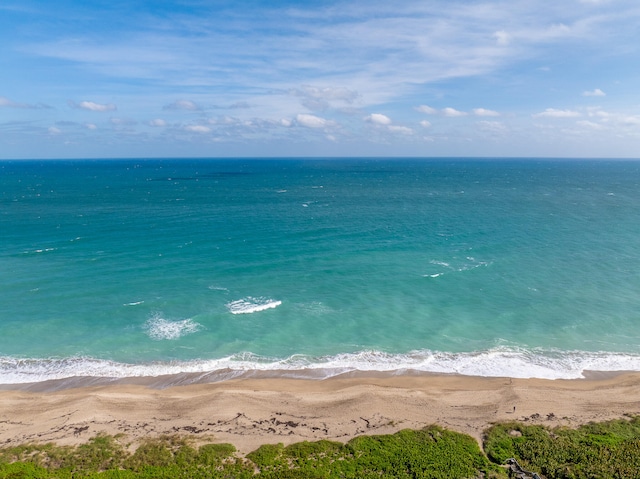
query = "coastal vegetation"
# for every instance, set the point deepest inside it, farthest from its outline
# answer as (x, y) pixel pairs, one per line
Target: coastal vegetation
(609, 449)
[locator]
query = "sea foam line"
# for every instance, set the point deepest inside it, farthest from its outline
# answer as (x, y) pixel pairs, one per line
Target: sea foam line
(498, 362)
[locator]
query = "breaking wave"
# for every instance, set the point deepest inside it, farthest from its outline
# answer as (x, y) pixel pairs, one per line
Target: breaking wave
(499, 362)
(250, 305)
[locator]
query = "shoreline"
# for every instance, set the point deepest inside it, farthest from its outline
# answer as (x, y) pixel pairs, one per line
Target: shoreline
(249, 412)
(165, 381)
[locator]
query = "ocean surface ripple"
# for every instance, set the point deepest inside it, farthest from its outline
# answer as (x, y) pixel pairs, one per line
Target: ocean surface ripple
(315, 268)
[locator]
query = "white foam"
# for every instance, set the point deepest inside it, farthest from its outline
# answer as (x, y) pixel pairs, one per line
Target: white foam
(250, 305)
(498, 362)
(159, 328)
(38, 251)
(440, 263)
(213, 287)
(471, 263)
(133, 303)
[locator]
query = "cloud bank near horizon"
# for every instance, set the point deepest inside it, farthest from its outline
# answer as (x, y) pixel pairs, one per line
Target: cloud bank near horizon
(479, 78)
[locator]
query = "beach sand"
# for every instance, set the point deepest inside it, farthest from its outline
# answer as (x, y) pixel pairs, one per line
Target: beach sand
(251, 412)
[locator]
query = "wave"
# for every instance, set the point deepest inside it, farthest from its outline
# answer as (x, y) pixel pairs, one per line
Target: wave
(159, 328)
(39, 251)
(499, 362)
(467, 264)
(250, 305)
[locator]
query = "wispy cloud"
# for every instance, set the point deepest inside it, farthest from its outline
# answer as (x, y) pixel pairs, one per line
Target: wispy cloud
(494, 127)
(197, 129)
(186, 105)
(554, 113)
(426, 109)
(5, 102)
(452, 112)
(357, 48)
(485, 112)
(596, 92)
(502, 37)
(92, 106)
(321, 98)
(405, 130)
(295, 71)
(590, 125)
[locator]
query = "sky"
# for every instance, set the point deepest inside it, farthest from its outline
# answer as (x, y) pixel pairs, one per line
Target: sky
(315, 78)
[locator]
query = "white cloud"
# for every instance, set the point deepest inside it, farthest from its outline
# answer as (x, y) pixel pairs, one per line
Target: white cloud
(320, 98)
(452, 112)
(400, 129)
(485, 112)
(492, 126)
(590, 125)
(629, 120)
(93, 106)
(311, 121)
(182, 105)
(554, 113)
(620, 120)
(197, 128)
(54, 131)
(91, 126)
(378, 119)
(360, 56)
(123, 121)
(502, 38)
(597, 112)
(596, 92)
(426, 109)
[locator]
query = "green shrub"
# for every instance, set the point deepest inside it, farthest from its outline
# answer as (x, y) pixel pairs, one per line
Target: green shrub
(23, 470)
(430, 453)
(604, 450)
(608, 450)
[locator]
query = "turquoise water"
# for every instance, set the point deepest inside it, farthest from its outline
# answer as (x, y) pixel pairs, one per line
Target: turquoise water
(521, 268)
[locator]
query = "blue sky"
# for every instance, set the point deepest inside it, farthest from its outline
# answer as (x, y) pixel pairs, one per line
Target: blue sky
(163, 78)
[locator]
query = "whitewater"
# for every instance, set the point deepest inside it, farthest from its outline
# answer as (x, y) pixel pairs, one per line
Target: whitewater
(318, 267)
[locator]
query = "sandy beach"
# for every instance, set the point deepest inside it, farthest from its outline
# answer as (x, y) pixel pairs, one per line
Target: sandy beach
(251, 412)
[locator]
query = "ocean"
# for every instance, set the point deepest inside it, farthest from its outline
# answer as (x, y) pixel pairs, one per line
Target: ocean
(318, 267)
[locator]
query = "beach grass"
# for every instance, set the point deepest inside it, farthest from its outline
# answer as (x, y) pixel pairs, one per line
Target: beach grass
(608, 449)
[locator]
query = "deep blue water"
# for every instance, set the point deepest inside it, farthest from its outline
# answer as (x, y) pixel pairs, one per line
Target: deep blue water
(506, 267)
